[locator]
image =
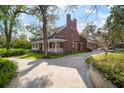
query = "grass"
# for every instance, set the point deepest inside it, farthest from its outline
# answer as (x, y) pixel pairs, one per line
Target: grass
(31, 56)
(27, 54)
(111, 66)
(7, 71)
(50, 55)
(40, 55)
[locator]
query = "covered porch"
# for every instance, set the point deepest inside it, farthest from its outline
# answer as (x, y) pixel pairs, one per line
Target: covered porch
(54, 45)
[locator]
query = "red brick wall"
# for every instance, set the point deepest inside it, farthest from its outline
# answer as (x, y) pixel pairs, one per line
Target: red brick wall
(91, 45)
(70, 33)
(84, 41)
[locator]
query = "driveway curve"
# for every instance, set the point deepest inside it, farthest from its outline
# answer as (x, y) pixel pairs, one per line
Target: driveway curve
(66, 72)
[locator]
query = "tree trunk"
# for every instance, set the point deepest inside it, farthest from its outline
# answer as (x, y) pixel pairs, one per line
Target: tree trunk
(45, 35)
(106, 54)
(7, 44)
(8, 30)
(6, 34)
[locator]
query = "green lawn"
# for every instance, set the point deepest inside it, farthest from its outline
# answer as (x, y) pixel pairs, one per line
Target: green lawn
(31, 56)
(40, 55)
(111, 66)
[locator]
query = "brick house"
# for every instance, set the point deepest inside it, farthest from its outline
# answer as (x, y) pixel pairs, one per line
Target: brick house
(64, 39)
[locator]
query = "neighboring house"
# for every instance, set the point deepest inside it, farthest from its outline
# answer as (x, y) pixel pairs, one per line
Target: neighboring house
(64, 39)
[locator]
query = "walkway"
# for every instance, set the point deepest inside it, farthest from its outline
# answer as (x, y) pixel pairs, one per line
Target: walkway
(66, 72)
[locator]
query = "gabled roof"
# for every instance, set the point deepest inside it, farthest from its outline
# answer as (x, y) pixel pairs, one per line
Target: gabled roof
(88, 39)
(58, 29)
(53, 36)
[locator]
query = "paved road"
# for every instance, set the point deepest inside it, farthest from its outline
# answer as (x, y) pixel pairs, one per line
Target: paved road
(66, 72)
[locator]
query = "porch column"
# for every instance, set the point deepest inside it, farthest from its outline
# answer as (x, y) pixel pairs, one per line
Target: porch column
(55, 46)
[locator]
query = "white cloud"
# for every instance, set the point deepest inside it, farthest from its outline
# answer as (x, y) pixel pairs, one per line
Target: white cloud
(102, 23)
(95, 22)
(103, 16)
(82, 24)
(81, 27)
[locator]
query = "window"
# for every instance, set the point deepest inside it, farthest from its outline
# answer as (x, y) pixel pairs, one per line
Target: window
(32, 45)
(73, 44)
(61, 45)
(51, 45)
(36, 45)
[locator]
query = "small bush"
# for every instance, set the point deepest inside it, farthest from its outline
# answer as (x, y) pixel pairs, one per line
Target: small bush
(87, 50)
(7, 71)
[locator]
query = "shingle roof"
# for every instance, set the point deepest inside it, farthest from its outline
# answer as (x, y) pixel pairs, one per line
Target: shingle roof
(56, 30)
(87, 38)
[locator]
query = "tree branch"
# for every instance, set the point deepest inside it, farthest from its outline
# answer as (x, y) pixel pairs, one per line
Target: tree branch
(35, 33)
(91, 11)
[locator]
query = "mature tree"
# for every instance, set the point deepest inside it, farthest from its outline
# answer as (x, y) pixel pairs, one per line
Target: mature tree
(21, 41)
(8, 20)
(104, 40)
(115, 24)
(43, 9)
(90, 30)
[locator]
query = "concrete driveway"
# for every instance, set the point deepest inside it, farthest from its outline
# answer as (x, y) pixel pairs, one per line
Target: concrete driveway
(66, 72)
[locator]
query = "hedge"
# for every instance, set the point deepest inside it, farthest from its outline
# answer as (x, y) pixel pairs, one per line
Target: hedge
(13, 52)
(110, 66)
(7, 71)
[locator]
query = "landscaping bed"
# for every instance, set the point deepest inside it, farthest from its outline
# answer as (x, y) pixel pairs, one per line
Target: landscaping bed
(110, 66)
(7, 71)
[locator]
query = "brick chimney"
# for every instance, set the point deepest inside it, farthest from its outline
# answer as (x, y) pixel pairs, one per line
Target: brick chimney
(75, 23)
(68, 19)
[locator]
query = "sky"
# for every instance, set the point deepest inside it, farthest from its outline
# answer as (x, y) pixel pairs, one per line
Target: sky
(98, 17)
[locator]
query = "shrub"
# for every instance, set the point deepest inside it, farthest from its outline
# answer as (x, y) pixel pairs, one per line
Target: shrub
(112, 68)
(87, 50)
(13, 52)
(7, 71)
